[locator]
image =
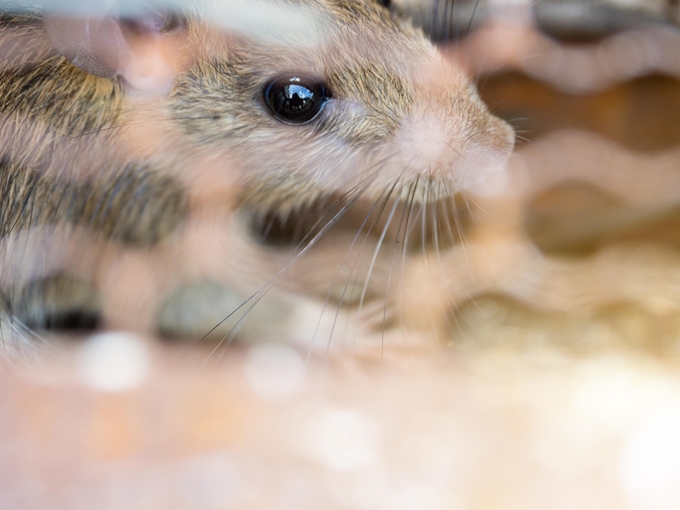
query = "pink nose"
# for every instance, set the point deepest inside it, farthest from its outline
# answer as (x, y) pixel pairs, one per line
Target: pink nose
(461, 146)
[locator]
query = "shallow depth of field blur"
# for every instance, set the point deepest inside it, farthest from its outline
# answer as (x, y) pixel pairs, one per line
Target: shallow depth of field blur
(554, 379)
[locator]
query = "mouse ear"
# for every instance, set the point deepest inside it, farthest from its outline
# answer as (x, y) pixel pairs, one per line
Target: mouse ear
(107, 43)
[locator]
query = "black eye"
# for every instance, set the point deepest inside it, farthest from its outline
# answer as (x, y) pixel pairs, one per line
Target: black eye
(384, 3)
(295, 98)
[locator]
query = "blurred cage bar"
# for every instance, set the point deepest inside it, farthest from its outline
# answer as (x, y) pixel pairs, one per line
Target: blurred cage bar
(592, 92)
(575, 252)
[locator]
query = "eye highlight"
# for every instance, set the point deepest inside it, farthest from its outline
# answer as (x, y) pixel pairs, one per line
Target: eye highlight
(295, 98)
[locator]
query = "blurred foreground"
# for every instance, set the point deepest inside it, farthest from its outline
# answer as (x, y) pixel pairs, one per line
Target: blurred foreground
(120, 423)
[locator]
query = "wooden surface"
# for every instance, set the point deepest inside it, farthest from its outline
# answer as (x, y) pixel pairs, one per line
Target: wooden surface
(413, 430)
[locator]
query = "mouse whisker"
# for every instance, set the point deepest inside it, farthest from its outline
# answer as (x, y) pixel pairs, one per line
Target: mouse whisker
(437, 229)
(347, 200)
(472, 17)
(382, 203)
(387, 193)
(333, 284)
(423, 227)
(375, 256)
(447, 307)
(404, 214)
(404, 244)
(463, 241)
(257, 296)
(21, 341)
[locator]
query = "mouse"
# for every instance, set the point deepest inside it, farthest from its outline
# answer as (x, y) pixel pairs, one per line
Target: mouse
(161, 166)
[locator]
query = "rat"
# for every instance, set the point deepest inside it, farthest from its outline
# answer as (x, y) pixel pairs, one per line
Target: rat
(121, 127)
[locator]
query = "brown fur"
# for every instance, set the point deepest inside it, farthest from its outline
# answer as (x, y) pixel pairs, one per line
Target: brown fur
(135, 205)
(68, 135)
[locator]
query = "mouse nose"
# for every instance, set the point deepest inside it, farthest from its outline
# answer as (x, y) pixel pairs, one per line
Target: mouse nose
(470, 124)
(449, 131)
(457, 139)
(486, 136)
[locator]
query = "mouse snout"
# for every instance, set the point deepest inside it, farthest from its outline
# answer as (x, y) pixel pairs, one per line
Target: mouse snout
(450, 134)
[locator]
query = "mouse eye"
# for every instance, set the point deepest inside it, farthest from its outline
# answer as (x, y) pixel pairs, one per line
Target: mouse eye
(295, 98)
(384, 3)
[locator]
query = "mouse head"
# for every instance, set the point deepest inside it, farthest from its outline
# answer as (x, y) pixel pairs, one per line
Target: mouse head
(354, 97)
(313, 97)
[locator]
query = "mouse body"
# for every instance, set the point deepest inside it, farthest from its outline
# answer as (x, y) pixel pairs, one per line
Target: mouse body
(146, 156)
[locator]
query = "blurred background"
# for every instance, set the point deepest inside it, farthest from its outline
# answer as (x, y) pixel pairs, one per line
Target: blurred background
(553, 381)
